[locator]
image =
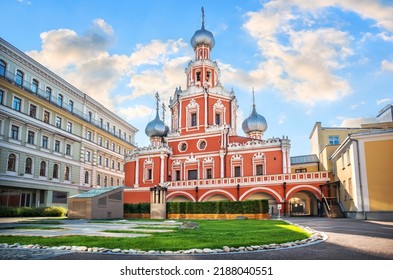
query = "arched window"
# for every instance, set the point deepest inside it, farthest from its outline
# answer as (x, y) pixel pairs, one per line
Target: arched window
(118, 182)
(34, 86)
(86, 177)
(111, 181)
(3, 67)
(105, 181)
(29, 166)
(11, 162)
(19, 78)
(55, 171)
(43, 169)
(67, 174)
(98, 180)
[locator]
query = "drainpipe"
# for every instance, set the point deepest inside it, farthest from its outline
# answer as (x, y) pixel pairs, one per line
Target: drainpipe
(360, 179)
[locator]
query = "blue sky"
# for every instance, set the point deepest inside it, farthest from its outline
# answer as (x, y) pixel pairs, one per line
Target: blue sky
(308, 61)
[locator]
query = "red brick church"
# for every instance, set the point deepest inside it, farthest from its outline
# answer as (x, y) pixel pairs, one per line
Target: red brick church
(201, 157)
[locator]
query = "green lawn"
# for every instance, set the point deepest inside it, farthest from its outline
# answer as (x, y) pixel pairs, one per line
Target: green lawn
(210, 234)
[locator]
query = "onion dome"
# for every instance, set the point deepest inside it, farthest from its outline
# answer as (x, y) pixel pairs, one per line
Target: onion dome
(203, 36)
(255, 122)
(157, 127)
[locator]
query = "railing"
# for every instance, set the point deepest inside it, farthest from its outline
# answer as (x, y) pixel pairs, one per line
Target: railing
(30, 88)
(254, 180)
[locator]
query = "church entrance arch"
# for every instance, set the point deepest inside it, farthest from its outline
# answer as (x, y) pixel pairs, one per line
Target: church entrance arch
(273, 211)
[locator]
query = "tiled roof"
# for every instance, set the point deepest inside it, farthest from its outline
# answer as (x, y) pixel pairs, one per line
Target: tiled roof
(304, 159)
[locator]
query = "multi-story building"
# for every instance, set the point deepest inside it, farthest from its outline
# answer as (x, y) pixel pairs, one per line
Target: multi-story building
(200, 156)
(363, 166)
(55, 141)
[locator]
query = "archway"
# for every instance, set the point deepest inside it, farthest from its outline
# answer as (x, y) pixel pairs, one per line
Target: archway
(303, 203)
(273, 211)
(216, 197)
(179, 198)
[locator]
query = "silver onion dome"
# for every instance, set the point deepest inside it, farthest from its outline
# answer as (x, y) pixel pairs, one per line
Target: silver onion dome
(203, 36)
(156, 128)
(255, 122)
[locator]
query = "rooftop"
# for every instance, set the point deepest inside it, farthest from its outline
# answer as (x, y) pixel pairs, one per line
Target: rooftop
(96, 192)
(304, 159)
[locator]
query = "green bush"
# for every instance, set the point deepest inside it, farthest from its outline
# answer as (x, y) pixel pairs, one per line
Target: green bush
(209, 207)
(54, 211)
(33, 212)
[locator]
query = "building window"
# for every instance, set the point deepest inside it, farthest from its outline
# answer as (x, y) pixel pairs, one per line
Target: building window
(300, 170)
(192, 174)
(60, 100)
(29, 166)
(15, 132)
(86, 177)
(67, 174)
(59, 197)
(333, 140)
(209, 174)
(58, 122)
(30, 137)
(45, 142)
(177, 175)
(48, 93)
(107, 126)
(101, 123)
(118, 182)
(111, 181)
(43, 169)
(55, 171)
(259, 169)
(107, 144)
(57, 146)
(1, 96)
(106, 162)
(90, 116)
(98, 180)
(237, 172)
(183, 146)
(71, 106)
(113, 147)
(198, 76)
(68, 149)
(105, 181)
(33, 111)
(3, 67)
(17, 104)
(218, 119)
(193, 119)
(100, 141)
(34, 86)
(113, 164)
(69, 127)
(149, 174)
(46, 117)
(202, 145)
(88, 135)
(87, 156)
(11, 163)
(118, 166)
(19, 78)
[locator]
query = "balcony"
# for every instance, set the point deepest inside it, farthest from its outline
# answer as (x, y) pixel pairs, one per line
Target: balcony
(274, 179)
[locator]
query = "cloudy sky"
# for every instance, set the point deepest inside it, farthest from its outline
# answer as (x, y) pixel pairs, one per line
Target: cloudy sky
(322, 60)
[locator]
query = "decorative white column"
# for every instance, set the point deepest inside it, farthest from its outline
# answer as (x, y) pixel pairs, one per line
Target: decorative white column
(162, 167)
(136, 185)
(222, 164)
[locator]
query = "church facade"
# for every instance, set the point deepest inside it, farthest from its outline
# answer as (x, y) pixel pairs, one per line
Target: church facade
(201, 157)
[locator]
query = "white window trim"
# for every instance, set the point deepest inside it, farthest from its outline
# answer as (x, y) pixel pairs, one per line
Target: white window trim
(16, 164)
(148, 164)
(21, 103)
(237, 160)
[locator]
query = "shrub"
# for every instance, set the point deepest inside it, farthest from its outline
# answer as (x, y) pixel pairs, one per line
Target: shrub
(54, 211)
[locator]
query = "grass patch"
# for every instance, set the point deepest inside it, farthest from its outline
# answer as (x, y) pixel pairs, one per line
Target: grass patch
(44, 222)
(210, 234)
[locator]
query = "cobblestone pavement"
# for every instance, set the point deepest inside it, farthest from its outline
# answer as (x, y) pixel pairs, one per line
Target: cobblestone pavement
(29, 254)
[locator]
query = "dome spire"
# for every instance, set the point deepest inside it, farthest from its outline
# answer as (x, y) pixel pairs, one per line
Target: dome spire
(203, 18)
(156, 128)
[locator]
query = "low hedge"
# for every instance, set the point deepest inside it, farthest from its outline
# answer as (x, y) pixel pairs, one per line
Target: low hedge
(52, 211)
(209, 207)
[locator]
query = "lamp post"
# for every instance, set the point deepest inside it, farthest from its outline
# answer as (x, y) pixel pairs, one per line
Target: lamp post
(196, 193)
(238, 191)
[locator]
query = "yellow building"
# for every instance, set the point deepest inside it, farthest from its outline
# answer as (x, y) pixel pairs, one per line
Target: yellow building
(306, 163)
(363, 164)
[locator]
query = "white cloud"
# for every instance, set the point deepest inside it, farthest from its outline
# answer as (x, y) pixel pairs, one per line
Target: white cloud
(84, 61)
(282, 118)
(384, 100)
(134, 113)
(356, 122)
(387, 65)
